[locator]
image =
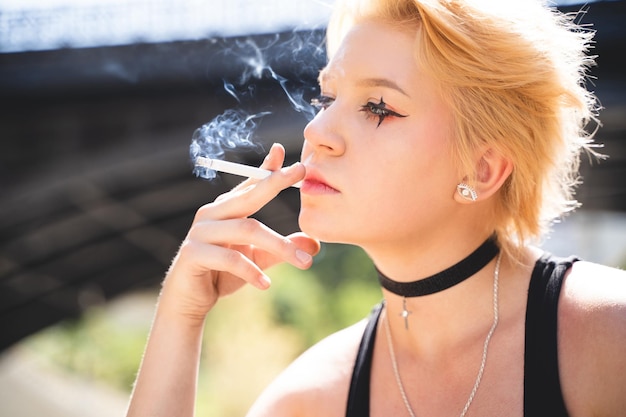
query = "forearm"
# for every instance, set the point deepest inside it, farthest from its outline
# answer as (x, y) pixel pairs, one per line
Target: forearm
(224, 250)
(167, 379)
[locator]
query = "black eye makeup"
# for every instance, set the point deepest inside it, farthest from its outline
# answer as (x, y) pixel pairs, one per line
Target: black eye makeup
(372, 110)
(379, 110)
(322, 102)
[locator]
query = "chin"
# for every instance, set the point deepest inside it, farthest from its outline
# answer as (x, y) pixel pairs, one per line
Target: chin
(311, 227)
(323, 229)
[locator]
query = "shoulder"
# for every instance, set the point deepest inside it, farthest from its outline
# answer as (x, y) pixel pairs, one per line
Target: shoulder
(592, 339)
(594, 297)
(316, 382)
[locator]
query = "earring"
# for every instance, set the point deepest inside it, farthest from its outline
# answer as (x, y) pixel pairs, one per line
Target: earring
(467, 192)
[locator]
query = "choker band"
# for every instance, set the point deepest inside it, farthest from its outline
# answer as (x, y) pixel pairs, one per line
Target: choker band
(447, 278)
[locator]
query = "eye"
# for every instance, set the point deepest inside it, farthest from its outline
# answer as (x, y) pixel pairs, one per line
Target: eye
(379, 110)
(322, 102)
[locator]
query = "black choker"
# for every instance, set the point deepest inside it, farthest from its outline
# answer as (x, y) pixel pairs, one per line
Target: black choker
(447, 278)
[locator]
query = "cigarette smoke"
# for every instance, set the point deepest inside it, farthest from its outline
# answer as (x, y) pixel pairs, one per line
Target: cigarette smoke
(298, 58)
(231, 130)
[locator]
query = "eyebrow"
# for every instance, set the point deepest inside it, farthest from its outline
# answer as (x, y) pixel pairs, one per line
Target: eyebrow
(367, 82)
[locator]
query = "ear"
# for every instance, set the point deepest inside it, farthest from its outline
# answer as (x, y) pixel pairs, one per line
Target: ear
(492, 170)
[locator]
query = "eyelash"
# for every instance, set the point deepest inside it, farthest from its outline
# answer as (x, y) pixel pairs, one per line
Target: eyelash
(379, 110)
(374, 110)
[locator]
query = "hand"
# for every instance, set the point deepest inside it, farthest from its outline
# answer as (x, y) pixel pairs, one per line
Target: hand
(226, 249)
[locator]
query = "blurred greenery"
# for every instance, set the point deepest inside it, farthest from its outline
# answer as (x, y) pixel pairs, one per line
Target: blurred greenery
(250, 337)
(98, 346)
(337, 291)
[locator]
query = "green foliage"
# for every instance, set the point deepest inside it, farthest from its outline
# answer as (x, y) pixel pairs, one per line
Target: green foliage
(243, 350)
(338, 290)
(249, 338)
(95, 347)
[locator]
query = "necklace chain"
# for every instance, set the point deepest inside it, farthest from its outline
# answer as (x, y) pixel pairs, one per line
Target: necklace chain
(484, 355)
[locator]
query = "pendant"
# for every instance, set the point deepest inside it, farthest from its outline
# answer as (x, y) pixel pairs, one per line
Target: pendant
(405, 313)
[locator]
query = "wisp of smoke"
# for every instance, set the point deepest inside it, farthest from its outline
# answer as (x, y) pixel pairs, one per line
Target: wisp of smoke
(300, 55)
(232, 129)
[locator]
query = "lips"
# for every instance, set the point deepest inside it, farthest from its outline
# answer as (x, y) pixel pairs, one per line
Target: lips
(314, 183)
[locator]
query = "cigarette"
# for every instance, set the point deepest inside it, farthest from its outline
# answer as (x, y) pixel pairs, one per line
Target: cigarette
(236, 169)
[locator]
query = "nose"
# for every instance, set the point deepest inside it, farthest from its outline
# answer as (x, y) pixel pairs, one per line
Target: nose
(322, 134)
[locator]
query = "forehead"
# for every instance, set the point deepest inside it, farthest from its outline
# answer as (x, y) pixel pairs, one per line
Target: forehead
(374, 49)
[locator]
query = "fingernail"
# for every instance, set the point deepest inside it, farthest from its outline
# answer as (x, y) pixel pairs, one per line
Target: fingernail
(264, 282)
(303, 257)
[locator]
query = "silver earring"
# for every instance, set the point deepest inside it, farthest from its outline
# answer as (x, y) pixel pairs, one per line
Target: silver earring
(467, 192)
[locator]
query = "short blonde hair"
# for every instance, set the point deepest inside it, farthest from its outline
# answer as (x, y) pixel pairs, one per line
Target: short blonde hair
(513, 74)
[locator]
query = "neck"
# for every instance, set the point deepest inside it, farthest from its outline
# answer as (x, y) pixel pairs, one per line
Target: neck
(447, 278)
(443, 316)
(439, 322)
(420, 257)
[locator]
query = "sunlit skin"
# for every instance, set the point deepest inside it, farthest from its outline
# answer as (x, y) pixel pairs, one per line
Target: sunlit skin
(379, 173)
(389, 187)
(392, 180)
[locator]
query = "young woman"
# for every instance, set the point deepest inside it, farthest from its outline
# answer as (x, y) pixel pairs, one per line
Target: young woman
(448, 138)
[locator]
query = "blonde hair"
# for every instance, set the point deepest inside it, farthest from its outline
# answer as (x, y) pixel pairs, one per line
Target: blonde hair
(513, 74)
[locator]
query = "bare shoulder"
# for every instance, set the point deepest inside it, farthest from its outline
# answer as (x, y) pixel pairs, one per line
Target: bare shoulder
(317, 382)
(592, 340)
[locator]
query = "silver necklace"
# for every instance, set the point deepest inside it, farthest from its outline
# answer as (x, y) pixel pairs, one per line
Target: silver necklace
(482, 363)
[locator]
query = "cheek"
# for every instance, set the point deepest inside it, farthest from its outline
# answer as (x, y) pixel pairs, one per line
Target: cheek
(415, 176)
(414, 164)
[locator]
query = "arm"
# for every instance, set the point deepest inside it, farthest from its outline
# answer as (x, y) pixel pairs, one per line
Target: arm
(223, 251)
(166, 382)
(317, 382)
(592, 340)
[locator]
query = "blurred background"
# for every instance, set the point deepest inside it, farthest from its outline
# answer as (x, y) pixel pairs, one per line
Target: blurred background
(99, 100)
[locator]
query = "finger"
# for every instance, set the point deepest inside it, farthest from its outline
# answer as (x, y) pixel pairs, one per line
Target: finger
(246, 201)
(210, 257)
(272, 162)
(249, 232)
(305, 242)
(275, 157)
(307, 248)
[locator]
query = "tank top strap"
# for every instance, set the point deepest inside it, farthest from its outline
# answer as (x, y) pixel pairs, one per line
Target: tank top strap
(359, 394)
(542, 387)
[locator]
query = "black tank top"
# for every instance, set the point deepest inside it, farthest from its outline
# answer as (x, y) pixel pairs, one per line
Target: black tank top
(542, 388)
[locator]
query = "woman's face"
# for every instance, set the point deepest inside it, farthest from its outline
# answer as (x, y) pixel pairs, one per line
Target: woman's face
(378, 159)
